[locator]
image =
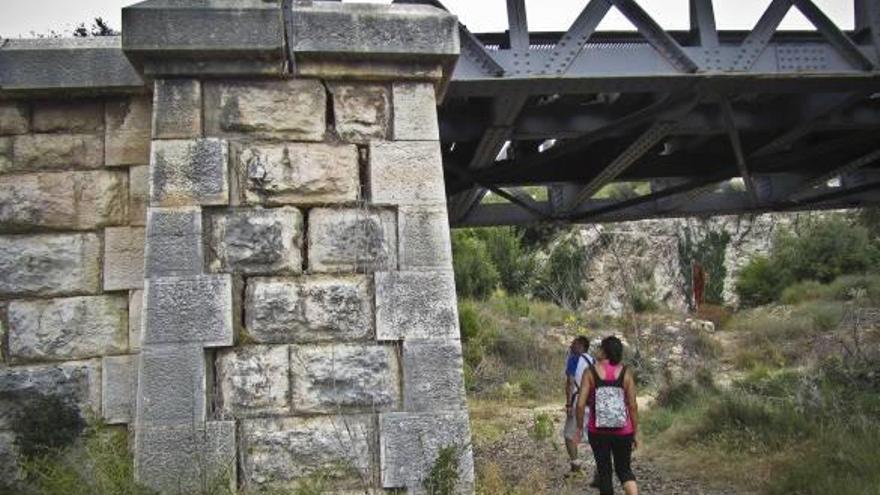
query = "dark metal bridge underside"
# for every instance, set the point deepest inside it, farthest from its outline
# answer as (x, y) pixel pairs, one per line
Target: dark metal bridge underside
(706, 122)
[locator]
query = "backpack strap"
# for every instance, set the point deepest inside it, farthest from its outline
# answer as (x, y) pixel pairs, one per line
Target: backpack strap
(595, 375)
(619, 381)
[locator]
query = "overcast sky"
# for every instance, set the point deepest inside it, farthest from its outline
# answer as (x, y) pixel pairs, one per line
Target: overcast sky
(20, 18)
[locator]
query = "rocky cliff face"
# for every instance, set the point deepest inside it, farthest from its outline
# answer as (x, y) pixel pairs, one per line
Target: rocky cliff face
(643, 259)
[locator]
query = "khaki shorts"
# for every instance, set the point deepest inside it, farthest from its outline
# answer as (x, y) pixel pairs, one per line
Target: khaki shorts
(571, 427)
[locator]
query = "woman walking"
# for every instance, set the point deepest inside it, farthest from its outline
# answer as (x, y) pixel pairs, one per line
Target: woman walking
(615, 417)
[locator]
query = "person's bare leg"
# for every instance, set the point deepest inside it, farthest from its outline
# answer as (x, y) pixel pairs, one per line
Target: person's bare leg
(572, 449)
(630, 488)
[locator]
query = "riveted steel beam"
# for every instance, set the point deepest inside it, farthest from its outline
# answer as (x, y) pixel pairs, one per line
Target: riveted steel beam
(736, 144)
(655, 35)
(807, 188)
(758, 39)
(575, 39)
(702, 15)
(835, 36)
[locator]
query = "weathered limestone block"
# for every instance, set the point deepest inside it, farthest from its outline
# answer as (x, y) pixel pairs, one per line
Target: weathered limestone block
(138, 194)
(13, 118)
(309, 309)
(424, 238)
(352, 239)
(135, 319)
(406, 173)
(5, 153)
(292, 109)
(193, 309)
(409, 444)
(53, 151)
(184, 458)
(278, 452)
(432, 375)
(416, 305)
(68, 328)
(11, 474)
(171, 385)
(189, 172)
(254, 381)
(68, 116)
(362, 111)
(344, 378)
(123, 258)
(118, 389)
(174, 242)
(50, 265)
(63, 200)
(298, 173)
(127, 135)
(77, 383)
(415, 112)
(177, 109)
(255, 241)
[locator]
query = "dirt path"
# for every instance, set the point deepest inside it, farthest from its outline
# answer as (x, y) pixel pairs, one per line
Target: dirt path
(538, 466)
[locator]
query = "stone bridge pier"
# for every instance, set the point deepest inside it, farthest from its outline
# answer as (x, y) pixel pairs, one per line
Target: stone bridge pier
(297, 320)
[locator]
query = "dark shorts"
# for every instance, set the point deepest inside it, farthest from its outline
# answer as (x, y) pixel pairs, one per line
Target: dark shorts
(613, 453)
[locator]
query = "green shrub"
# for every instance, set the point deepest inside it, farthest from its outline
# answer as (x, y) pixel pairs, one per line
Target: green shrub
(808, 290)
(562, 277)
(542, 427)
(516, 266)
(709, 250)
(468, 320)
(475, 274)
(758, 283)
(443, 477)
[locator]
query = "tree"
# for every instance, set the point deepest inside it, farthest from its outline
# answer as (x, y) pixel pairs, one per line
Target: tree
(99, 28)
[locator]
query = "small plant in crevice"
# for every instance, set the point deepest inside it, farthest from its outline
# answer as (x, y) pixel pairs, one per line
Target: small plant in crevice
(444, 474)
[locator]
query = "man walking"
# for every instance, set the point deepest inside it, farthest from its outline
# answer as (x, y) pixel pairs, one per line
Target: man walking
(577, 363)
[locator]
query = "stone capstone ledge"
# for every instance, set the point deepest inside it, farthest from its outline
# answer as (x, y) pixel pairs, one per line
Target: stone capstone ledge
(76, 383)
(221, 37)
(80, 66)
(410, 442)
(68, 328)
(309, 309)
(278, 452)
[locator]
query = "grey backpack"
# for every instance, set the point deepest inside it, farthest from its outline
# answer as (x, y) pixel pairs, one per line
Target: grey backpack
(610, 408)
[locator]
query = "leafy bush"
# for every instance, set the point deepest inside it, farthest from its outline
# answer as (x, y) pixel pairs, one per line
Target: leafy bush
(562, 277)
(542, 427)
(475, 274)
(808, 290)
(515, 265)
(443, 477)
(823, 251)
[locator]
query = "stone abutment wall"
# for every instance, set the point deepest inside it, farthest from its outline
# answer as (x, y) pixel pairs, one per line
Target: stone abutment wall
(249, 263)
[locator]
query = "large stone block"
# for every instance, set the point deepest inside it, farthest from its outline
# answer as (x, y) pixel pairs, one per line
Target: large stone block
(187, 458)
(194, 309)
(344, 378)
(350, 239)
(135, 320)
(55, 151)
(424, 238)
(410, 442)
(293, 109)
(68, 116)
(432, 375)
(76, 383)
(127, 132)
(5, 153)
(63, 200)
(13, 118)
(118, 389)
(254, 381)
(362, 111)
(298, 173)
(406, 173)
(189, 172)
(11, 474)
(123, 258)
(415, 112)
(278, 452)
(177, 109)
(309, 309)
(416, 305)
(257, 241)
(138, 194)
(174, 242)
(68, 328)
(50, 265)
(171, 385)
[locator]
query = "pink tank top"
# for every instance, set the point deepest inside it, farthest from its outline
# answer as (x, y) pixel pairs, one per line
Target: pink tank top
(610, 374)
